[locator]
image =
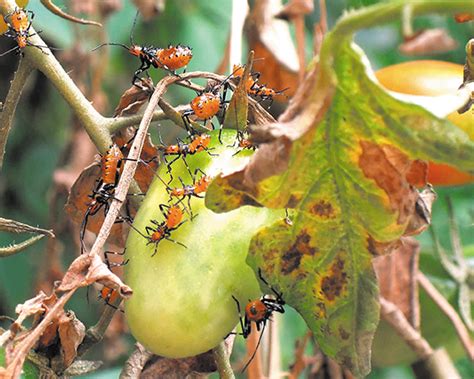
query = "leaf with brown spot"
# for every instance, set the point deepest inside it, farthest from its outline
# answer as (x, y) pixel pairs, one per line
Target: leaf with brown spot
(345, 163)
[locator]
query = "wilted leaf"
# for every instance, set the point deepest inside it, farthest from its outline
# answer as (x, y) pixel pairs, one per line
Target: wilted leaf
(79, 196)
(134, 98)
(396, 274)
(275, 53)
(148, 159)
(346, 174)
(429, 41)
(237, 111)
(150, 8)
(295, 8)
(87, 269)
(50, 334)
(78, 201)
(71, 333)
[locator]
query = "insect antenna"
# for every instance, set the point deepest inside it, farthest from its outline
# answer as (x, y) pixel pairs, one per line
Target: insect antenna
(133, 28)
(111, 43)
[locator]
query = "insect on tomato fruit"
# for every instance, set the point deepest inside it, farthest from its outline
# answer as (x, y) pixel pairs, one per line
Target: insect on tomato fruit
(432, 78)
(182, 302)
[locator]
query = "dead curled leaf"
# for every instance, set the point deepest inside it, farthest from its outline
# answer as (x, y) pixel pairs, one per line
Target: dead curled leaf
(79, 196)
(429, 41)
(396, 274)
(134, 98)
(150, 8)
(295, 8)
(71, 333)
(275, 53)
(88, 269)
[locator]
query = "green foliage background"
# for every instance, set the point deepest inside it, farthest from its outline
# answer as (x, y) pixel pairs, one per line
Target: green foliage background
(42, 129)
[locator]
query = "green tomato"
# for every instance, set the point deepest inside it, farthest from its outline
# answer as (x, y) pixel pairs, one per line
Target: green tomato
(182, 297)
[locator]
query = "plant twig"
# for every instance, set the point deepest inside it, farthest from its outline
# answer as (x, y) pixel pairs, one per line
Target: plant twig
(450, 312)
(19, 247)
(59, 12)
(395, 317)
(135, 363)
(19, 227)
(11, 101)
(222, 361)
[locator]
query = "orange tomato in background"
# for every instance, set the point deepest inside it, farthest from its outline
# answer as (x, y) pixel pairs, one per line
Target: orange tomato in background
(432, 78)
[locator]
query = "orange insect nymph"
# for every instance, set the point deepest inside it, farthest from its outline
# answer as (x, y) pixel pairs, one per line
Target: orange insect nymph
(175, 215)
(174, 57)
(256, 311)
(111, 165)
(206, 106)
(19, 20)
(202, 184)
(109, 295)
(199, 143)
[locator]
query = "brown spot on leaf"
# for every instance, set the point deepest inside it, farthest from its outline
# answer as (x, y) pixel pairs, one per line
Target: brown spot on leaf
(344, 333)
(293, 201)
(320, 310)
(292, 257)
(333, 284)
(323, 209)
(387, 166)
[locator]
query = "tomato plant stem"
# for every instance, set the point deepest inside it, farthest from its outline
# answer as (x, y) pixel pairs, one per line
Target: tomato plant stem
(222, 361)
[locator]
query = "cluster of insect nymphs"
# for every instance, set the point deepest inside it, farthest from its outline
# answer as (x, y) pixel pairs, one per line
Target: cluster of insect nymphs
(203, 107)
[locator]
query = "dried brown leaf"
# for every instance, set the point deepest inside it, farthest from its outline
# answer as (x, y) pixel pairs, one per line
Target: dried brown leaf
(270, 39)
(295, 8)
(49, 336)
(71, 334)
(78, 201)
(150, 8)
(87, 269)
(149, 162)
(134, 98)
(396, 274)
(429, 41)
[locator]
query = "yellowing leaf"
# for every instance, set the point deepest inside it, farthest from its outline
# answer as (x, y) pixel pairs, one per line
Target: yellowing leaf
(349, 176)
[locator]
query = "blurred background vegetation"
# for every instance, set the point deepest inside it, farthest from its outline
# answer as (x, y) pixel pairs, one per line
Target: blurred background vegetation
(44, 126)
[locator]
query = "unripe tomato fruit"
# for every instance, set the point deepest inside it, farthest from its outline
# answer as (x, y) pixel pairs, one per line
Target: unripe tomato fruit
(182, 297)
(432, 78)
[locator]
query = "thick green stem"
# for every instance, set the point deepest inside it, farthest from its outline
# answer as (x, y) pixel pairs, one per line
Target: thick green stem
(222, 362)
(11, 101)
(93, 121)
